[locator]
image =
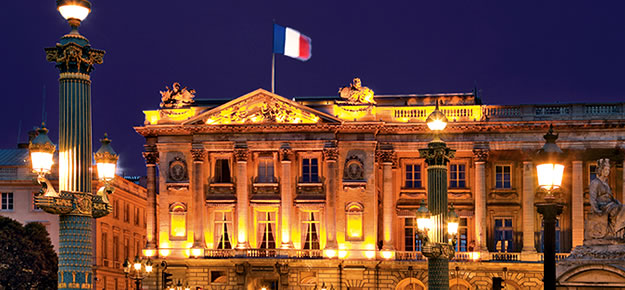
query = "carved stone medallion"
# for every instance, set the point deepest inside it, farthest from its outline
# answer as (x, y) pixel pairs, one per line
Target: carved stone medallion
(178, 170)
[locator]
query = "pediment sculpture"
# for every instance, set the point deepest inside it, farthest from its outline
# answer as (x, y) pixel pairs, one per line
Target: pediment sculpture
(262, 109)
(607, 218)
(176, 97)
(355, 93)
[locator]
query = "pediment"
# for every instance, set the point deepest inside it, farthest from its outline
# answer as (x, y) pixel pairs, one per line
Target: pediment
(261, 107)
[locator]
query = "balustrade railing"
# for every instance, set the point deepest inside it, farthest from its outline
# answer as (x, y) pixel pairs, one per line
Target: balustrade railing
(505, 257)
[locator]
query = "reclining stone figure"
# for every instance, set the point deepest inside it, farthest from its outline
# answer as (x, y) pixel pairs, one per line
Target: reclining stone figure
(607, 217)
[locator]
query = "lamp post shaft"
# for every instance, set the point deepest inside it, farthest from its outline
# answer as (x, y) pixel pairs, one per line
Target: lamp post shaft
(550, 212)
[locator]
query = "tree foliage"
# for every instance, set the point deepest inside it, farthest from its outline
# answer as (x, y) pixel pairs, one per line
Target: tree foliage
(28, 258)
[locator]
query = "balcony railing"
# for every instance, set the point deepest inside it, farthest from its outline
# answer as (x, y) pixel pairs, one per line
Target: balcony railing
(265, 186)
(559, 256)
(505, 257)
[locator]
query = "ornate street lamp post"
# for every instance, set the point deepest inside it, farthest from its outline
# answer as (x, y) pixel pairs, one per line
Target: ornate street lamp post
(138, 270)
(438, 231)
(550, 169)
(74, 201)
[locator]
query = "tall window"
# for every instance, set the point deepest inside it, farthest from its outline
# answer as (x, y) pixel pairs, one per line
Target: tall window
(413, 176)
(461, 245)
(137, 216)
(542, 235)
(267, 230)
(223, 229)
(592, 173)
(457, 176)
(503, 234)
(126, 249)
(116, 209)
(178, 220)
(126, 212)
(265, 170)
(137, 247)
(7, 201)
(311, 230)
(105, 252)
(502, 176)
(310, 170)
(222, 171)
(411, 235)
(354, 213)
(115, 248)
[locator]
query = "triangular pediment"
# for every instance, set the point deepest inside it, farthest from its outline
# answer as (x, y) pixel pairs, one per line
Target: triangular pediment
(261, 107)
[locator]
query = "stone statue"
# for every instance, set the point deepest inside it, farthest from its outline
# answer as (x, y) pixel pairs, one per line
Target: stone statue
(176, 97)
(602, 200)
(356, 93)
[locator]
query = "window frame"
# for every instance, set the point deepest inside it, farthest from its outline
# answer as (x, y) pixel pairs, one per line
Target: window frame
(457, 179)
(7, 201)
(271, 160)
(174, 211)
(214, 171)
(307, 224)
(223, 223)
(310, 173)
(416, 242)
(275, 230)
(412, 163)
(511, 245)
(511, 181)
(34, 207)
(354, 210)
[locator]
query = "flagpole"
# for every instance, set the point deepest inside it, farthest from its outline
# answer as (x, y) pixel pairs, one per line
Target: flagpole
(273, 73)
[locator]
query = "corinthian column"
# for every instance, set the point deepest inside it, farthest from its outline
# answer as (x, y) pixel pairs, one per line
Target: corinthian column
(387, 158)
(330, 155)
(286, 196)
(198, 198)
(480, 157)
(577, 203)
(241, 154)
(528, 208)
(151, 159)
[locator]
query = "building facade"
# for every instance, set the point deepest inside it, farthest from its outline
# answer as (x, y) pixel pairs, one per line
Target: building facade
(265, 191)
(117, 236)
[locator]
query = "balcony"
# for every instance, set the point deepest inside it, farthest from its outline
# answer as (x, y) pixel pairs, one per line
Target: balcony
(265, 190)
(310, 192)
(220, 192)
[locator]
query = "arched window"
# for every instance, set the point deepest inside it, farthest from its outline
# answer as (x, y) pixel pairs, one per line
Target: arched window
(178, 220)
(353, 212)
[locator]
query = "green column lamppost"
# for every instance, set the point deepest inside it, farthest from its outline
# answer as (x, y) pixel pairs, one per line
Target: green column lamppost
(74, 201)
(138, 270)
(437, 227)
(550, 169)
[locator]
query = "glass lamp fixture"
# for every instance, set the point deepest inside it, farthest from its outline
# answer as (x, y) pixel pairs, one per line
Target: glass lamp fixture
(550, 164)
(126, 266)
(41, 152)
(74, 9)
(148, 266)
(137, 264)
(452, 222)
(423, 218)
(106, 160)
(436, 121)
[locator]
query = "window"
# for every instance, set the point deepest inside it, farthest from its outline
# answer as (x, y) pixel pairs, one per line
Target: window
(311, 230)
(105, 252)
(592, 173)
(223, 229)
(542, 235)
(35, 207)
(310, 170)
(7, 201)
(136, 216)
(461, 244)
(178, 220)
(222, 171)
(502, 176)
(116, 209)
(457, 176)
(503, 235)
(115, 248)
(266, 230)
(354, 213)
(411, 235)
(127, 212)
(137, 247)
(265, 170)
(126, 249)
(218, 277)
(413, 176)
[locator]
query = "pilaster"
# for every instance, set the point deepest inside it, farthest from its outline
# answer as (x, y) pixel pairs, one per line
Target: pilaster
(529, 189)
(199, 155)
(387, 158)
(241, 155)
(286, 195)
(577, 203)
(330, 156)
(480, 158)
(151, 160)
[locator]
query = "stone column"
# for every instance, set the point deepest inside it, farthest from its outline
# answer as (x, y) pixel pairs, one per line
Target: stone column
(151, 160)
(286, 196)
(577, 203)
(387, 158)
(529, 212)
(241, 154)
(199, 155)
(480, 157)
(330, 155)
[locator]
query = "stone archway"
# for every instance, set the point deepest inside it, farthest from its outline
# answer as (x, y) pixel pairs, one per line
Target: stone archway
(410, 284)
(459, 284)
(597, 275)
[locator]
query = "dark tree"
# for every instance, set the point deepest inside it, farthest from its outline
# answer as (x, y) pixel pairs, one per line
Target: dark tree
(28, 258)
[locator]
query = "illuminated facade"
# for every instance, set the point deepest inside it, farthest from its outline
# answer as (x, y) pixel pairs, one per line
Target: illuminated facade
(265, 191)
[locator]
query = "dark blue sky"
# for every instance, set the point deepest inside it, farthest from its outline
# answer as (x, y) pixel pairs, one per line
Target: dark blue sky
(516, 51)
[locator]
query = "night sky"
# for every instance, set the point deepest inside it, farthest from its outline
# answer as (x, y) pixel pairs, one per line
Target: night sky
(517, 52)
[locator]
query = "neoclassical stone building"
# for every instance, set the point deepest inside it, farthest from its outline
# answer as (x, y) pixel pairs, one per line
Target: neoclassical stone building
(293, 193)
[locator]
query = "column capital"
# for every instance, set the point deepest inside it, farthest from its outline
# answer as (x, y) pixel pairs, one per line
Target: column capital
(74, 55)
(151, 157)
(241, 153)
(286, 152)
(198, 155)
(330, 151)
(386, 156)
(480, 154)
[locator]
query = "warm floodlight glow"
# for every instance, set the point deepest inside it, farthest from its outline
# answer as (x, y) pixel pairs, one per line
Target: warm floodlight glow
(148, 252)
(164, 252)
(342, 254)
(330, 253)
(42, 162)
(74, 12)
(436, 121)
(106, 160)
(41, 152)
(452, 221)
(196, 252)
(424, 224)
(137, 266)
(550, 175)
(148, 266)
(370, 254)
(452, 228)
(386, 254)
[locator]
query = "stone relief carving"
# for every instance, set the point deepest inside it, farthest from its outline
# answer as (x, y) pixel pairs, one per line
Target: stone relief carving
(176, 97)
(607, 220)
(355, 93)
(178, 170)
(354, 167)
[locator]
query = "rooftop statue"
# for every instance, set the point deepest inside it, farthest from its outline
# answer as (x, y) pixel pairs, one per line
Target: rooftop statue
(355, 93)
(603, 203)
(176, 97)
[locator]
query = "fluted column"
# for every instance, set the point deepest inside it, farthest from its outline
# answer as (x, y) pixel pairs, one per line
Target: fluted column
(241, 154)
(199, 155)
(387, 158)
(286, 196)
(151, 160)
(577, 203)
(330, 155)
(529, 191)
(480, 157)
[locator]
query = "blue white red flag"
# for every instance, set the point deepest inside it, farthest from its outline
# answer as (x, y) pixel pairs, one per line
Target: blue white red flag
(291, 43)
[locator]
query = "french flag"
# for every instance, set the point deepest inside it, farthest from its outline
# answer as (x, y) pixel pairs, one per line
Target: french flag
(291, 43)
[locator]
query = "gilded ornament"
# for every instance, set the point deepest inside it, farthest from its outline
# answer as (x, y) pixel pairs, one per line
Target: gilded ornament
(355, 93)
(177, 98)
(151, 157)
(262, 109)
